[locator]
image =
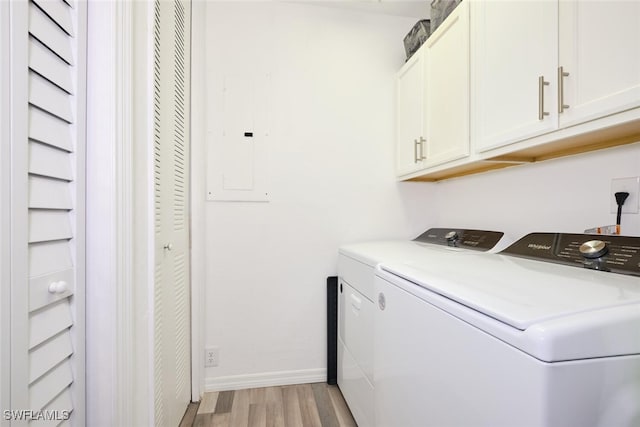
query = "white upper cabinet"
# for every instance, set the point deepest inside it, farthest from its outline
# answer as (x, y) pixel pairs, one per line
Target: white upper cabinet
(514, 62)
(510, 82)
(433, 98)
(542, 65)
(600, 52)
(447, 90)
(410, 114)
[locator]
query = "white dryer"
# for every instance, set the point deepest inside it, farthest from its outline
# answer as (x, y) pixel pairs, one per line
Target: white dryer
(356, 296)
(520, 338)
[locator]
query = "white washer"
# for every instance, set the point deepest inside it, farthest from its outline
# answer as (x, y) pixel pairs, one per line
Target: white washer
(356, 307)
(509, 341)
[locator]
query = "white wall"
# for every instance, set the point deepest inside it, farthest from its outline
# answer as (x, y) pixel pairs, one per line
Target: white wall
(331, 181)
(569, 195)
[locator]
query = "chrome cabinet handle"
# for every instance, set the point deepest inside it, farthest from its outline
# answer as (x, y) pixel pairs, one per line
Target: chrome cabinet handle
(541, 85)
(561, 75)
(422, 141)
(415, 151)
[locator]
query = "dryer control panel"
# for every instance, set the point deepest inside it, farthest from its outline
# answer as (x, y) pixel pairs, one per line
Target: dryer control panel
(616, 254)
(480, 240)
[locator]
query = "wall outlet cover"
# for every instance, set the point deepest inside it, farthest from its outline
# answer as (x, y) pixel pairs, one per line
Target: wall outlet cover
(631, 186)
(211, 357)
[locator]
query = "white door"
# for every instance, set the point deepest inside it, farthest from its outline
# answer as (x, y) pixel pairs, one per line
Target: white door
(447, 96)
(172, 368)
(600, 52)
(515, 50)
(47, 73)
(410, 114)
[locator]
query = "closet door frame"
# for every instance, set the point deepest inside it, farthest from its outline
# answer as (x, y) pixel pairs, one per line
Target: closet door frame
(111, 331)
(121, 161)
(19, 311)
(197, 196)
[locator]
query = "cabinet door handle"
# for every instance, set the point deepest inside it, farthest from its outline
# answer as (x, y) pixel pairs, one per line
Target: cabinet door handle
(58, 287)
(561, 75)
(415, 151)
(422, 141)
(541, 85)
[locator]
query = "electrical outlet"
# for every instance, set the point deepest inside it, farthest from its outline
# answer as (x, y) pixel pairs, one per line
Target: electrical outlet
(631, 186)
(211, 357)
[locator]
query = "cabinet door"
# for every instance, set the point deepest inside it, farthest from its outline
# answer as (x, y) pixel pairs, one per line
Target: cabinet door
(410, 111)
(600, 51)
(515, 43)
(447, 91)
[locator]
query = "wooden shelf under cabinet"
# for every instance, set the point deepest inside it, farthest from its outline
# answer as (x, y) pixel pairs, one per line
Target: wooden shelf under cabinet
(602, 138)
(571, 144)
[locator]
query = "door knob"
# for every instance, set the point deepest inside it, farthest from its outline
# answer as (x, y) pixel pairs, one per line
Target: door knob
(58, 287)
(168, 246)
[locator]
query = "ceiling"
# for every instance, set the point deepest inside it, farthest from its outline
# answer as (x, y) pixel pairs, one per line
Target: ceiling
(418, 9)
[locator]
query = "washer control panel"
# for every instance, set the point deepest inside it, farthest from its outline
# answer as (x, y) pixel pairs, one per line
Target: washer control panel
(480, 240)
(616, 254)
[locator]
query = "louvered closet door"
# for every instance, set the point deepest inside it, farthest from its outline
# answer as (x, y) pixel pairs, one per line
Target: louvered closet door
(47, 203)
(172, 383)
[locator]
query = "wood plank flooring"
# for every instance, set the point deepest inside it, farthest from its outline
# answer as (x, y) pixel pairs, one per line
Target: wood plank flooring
(304, 405)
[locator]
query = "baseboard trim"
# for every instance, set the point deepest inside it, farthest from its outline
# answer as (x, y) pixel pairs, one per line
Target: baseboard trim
(266, 379)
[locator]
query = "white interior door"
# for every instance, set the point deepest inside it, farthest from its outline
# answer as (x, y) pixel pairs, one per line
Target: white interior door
(47, 198)
(172, 374)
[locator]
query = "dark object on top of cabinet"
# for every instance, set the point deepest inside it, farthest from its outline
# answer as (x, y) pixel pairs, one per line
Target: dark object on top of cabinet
(440, 9)
(414, 39)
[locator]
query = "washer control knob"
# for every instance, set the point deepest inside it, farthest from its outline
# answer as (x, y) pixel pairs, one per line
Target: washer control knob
(451, 236)
(593, 249)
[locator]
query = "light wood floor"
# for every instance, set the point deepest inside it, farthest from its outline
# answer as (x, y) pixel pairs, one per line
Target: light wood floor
(305, 405)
